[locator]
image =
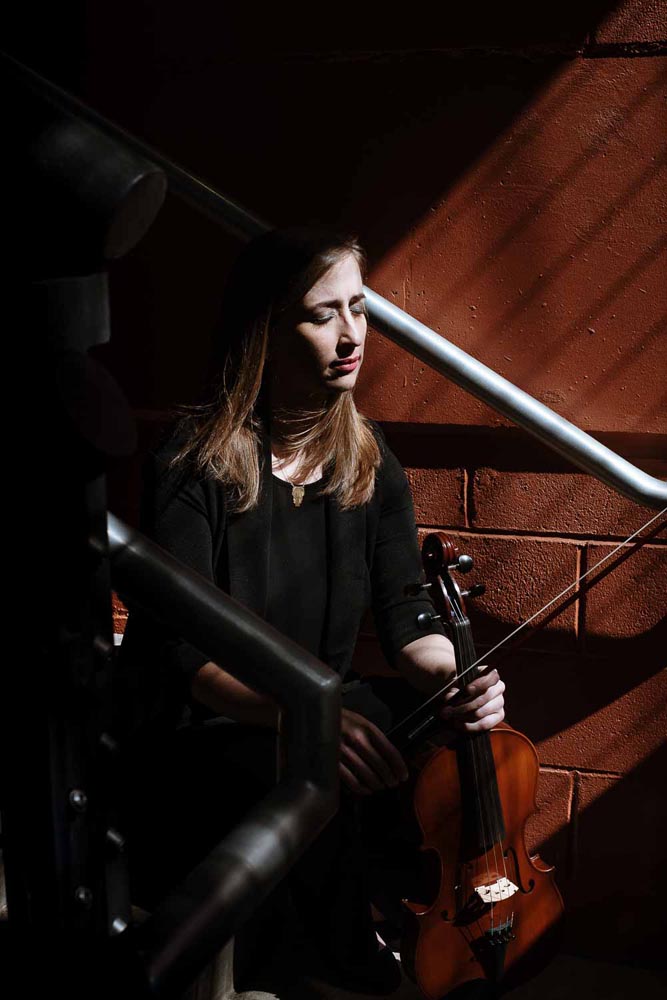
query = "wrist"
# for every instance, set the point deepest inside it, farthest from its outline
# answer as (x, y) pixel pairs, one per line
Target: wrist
(226, 695)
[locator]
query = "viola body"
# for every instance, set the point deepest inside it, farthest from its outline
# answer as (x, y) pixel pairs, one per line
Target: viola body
(497, 910)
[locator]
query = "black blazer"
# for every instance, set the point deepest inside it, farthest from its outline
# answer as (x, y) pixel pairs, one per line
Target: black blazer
(372, 554)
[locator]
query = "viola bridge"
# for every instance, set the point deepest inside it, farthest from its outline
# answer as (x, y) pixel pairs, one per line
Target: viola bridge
(499, 890)
(474, 905)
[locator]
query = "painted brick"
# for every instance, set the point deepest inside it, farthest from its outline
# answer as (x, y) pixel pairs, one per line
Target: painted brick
(438, 495)
(561, 503)
(633, 21)
(547, 830)
(520, 576)
(545, 259)
(595, 713)
(628, 604)
(616, 895)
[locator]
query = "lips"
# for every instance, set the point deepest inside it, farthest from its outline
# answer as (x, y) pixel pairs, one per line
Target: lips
(346, 364)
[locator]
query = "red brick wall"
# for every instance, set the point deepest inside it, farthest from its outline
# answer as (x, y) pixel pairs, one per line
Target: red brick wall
(507, 174)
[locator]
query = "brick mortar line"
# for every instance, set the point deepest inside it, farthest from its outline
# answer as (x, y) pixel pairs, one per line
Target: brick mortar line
(564, 769)
(625, 50)
(480, 50)
(580, 602)
(572, 834)
(468, 498)
(587, 50)
(528, 53)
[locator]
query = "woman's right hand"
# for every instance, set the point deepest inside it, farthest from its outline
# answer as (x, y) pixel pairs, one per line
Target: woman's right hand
(368, 761)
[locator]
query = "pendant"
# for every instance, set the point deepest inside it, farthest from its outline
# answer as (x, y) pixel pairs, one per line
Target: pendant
(298, 493)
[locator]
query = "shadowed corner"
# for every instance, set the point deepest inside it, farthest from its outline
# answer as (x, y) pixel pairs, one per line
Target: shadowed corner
(613, 902)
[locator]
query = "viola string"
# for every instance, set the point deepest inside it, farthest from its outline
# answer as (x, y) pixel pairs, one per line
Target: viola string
(490, 784)
(483, 798)
(462, 632)
(458, 636)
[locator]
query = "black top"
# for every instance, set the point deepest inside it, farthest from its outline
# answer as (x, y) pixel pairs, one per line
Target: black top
(371, 554)
(297, 596)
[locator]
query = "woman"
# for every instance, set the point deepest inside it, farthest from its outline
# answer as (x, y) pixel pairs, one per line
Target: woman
(291, 501)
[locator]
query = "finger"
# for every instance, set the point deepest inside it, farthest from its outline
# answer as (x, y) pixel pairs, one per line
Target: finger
(468, 712)
(472, 705)
(489, 715)
(372, 745)
(493, 707)
(451, 694)
(473, 688)
(483, 725)
(390, 755)
(351, 782)
(366, 776)
(481, 683)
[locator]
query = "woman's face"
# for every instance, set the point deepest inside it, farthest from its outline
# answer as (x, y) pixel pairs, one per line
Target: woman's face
(318, 347)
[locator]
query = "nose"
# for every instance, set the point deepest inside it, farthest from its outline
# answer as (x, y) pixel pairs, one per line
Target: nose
(353, 328)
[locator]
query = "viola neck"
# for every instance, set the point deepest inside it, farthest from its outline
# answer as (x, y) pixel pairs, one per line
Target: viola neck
(464, 650)
(482, 815)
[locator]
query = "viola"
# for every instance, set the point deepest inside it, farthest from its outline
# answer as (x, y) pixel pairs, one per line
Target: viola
(492, 910)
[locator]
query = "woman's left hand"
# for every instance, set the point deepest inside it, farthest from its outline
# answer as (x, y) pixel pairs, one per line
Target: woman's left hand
(478, 706)
(429, 664)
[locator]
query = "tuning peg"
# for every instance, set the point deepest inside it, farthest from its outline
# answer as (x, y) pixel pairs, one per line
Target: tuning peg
(413, 589)
(463, 564)
(476, 590)
(425, 619)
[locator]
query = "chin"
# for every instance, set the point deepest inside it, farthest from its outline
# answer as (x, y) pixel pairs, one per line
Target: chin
(339, 385)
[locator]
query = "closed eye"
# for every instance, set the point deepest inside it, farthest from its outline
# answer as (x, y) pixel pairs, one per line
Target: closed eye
(357, 308)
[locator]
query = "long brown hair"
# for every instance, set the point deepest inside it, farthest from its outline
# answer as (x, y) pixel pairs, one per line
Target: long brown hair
(272, 274)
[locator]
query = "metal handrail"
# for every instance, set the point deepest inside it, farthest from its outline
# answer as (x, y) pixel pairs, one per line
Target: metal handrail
(434, 350)
(188, 927)
(522, 408)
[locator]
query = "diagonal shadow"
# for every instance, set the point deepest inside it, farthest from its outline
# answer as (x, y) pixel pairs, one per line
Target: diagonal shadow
(551, 193)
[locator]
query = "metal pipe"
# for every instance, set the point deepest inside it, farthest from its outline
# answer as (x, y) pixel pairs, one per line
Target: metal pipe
(194, 920)
(441, 355)
(523, 409)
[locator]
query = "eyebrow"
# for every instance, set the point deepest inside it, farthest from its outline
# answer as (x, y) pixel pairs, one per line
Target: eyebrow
(337, 302)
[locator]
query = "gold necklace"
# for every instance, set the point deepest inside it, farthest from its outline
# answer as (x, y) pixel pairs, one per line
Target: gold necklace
(298, 492)
(298, 489)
